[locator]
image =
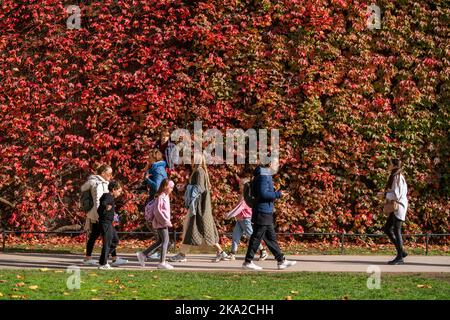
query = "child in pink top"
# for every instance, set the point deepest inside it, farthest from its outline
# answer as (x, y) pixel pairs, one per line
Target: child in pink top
(159, 216)
(243, 214)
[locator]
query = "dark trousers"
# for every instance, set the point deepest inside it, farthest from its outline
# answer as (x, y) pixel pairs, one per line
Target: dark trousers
(393, 229)
(266, 232)
(93, 236)
(162, 243)
(110, 241)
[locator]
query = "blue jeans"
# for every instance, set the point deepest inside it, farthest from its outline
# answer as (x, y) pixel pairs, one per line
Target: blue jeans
(242, 227)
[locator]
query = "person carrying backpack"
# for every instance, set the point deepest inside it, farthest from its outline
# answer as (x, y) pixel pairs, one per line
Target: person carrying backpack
(96, 185)
(262, 218)
(158, 214)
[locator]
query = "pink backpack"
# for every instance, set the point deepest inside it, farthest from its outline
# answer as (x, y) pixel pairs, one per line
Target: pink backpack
(149, 211)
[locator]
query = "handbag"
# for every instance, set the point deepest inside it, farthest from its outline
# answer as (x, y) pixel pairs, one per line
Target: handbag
(390, 206)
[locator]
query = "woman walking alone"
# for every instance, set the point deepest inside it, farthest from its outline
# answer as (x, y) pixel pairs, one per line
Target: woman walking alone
(396, 200)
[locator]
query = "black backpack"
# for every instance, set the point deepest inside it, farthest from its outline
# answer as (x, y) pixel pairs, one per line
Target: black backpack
(86, 201)
(249, 196)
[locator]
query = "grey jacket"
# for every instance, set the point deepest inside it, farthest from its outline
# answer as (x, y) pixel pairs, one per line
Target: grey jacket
(98, 187)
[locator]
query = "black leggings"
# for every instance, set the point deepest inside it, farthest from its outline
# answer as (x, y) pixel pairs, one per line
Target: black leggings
(93, 236)
(393, 229)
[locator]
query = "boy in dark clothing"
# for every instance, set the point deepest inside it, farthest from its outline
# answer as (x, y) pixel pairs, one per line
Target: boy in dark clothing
(165, 146)
(262, 218)
(106, 213)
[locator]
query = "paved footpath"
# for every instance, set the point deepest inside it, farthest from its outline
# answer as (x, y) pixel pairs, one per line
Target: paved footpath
(203, 262)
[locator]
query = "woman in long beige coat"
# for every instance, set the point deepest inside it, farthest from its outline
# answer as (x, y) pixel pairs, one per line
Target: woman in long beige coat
(200, 227)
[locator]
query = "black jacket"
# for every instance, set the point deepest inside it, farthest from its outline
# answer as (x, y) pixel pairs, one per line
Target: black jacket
(106, 216)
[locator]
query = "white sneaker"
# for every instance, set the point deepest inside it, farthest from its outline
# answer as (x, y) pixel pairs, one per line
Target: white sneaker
(119, 262)
(141, 258)
(263, 255)
(164, 266)
(286, 264)
(178, 258)
(90, 262)
(155, 256)
(105, 267)
(221, 256)
(232, 256)
(251, 266)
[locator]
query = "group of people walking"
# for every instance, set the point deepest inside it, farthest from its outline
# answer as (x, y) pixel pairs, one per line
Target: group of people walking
(252, 219)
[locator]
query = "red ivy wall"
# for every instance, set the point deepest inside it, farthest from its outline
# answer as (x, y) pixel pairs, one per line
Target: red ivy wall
(344, 97)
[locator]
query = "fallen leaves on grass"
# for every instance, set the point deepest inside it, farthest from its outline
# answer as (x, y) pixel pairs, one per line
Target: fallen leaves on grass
(66, 293)
(94, 290)
(288, 298)
(1, 294)
(33, 287)
(44, 269)
(294, 292)
(15, 296)
(3, 281)
(20, 284)
(93, 274)
(131, 275)
(59, 271)
(19, 276)
(208, 297)
(427, 286)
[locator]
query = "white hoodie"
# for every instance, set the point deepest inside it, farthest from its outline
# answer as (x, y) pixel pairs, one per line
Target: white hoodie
(98, 187)
(398, 192)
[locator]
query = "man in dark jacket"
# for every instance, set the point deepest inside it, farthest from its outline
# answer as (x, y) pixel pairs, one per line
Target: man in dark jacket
(262, 218)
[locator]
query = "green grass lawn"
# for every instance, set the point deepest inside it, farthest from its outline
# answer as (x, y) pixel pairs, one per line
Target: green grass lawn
(120, 284)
